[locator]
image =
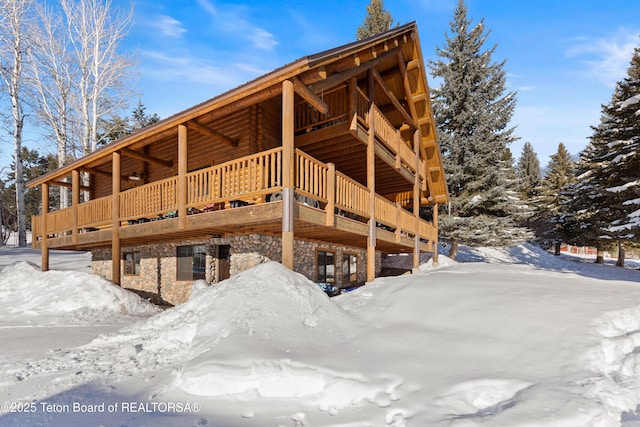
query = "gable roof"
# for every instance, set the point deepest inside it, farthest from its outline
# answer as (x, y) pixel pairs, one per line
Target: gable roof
(317, 71)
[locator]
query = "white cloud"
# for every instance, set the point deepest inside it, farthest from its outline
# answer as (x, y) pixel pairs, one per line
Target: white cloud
(168, 26)
(187, 69)
(230, 19)
(606, 58)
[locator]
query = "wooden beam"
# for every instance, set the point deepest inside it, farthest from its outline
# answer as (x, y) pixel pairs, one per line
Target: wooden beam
(314, 75)
(288, 173)
(212, 133)
(146, 158)
(44, 245)
(342, 77)
(435, 243)
(309, 96)
(69, 185)
(330, 219)
(75, 201)
(182, 176)
(95, 172)
(371, 186)
(416, 203)
(407, 87)
(115, 214)
(393, 99)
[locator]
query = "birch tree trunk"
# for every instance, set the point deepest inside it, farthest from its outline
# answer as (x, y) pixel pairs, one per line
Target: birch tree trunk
(13, 20)
(53, 78)
(95, 32)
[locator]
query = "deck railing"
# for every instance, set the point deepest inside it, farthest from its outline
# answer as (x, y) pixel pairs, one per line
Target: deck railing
(394, 142)
(307, 117)
(351, 196)
(311, 177)
(249, 179)
(151, 199)
(95, 213)
(60, 221)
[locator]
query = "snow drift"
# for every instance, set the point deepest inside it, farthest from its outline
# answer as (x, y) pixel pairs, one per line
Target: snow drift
(27, 291)
(516, 337)
(251, 335)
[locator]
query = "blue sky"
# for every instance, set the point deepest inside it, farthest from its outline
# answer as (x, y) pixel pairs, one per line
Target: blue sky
(563, 57)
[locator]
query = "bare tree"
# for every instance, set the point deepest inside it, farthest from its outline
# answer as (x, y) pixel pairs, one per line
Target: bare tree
(14, 17)
(95, 32)
(54, 75)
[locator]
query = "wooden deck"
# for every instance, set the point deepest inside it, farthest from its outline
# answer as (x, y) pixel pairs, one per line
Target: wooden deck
(263, 218)
(239, 197)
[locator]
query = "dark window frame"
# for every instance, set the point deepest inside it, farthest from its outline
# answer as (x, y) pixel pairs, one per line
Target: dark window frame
(346, 275)
(131, 263)
(322, 273)
(191, 262)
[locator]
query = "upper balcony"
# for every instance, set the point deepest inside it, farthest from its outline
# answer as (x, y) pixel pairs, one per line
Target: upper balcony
(238, 197)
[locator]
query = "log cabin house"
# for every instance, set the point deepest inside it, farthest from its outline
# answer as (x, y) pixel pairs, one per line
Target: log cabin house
(321, 165)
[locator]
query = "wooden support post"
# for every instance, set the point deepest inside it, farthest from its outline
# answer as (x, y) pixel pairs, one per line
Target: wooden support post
(75, 200)
(353, 96)
(398, 232)
(182, 176)
(371, 186)
(115, 205)
(435, 238)
(288, 173)
(371, 87)
(416, 204)
(44, 246)
(331, 195)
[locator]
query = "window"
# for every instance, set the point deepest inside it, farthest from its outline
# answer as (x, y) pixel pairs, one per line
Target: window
(192, 261)
(349, 269)
(132, 263)
(326, 262)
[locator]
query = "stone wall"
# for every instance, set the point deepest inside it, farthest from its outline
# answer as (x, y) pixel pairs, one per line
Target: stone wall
(157, 270)
(158, 262)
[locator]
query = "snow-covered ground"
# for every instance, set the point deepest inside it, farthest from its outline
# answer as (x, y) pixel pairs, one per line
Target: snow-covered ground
(508, 337)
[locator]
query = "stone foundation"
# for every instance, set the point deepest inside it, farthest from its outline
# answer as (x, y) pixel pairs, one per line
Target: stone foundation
(158, 263)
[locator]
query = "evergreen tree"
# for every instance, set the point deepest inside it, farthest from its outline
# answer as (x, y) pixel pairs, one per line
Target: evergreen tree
(473, 113)
(605, 205)
(551, 200)
(378, 20)
(34, 165)
(118, 127)
(528, 172)
(140, 119)
(620, 130)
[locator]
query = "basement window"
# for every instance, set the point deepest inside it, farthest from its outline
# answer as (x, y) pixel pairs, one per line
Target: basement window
(132, 263)
(349, 269)
(192, 261)
(326, 266)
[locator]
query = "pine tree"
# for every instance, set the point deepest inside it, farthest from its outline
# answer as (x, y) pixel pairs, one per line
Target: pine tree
(528, 172)
(606, 198)
(378, 20)
(551, 200)
(118, 127)
(473, 113)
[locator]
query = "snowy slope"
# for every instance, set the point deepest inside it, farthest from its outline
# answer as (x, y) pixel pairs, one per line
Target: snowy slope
(511, 337)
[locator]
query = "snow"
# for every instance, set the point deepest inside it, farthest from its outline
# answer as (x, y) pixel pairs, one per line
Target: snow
(631, 101)
(26, 292)
(623, 187)
(504, 337)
